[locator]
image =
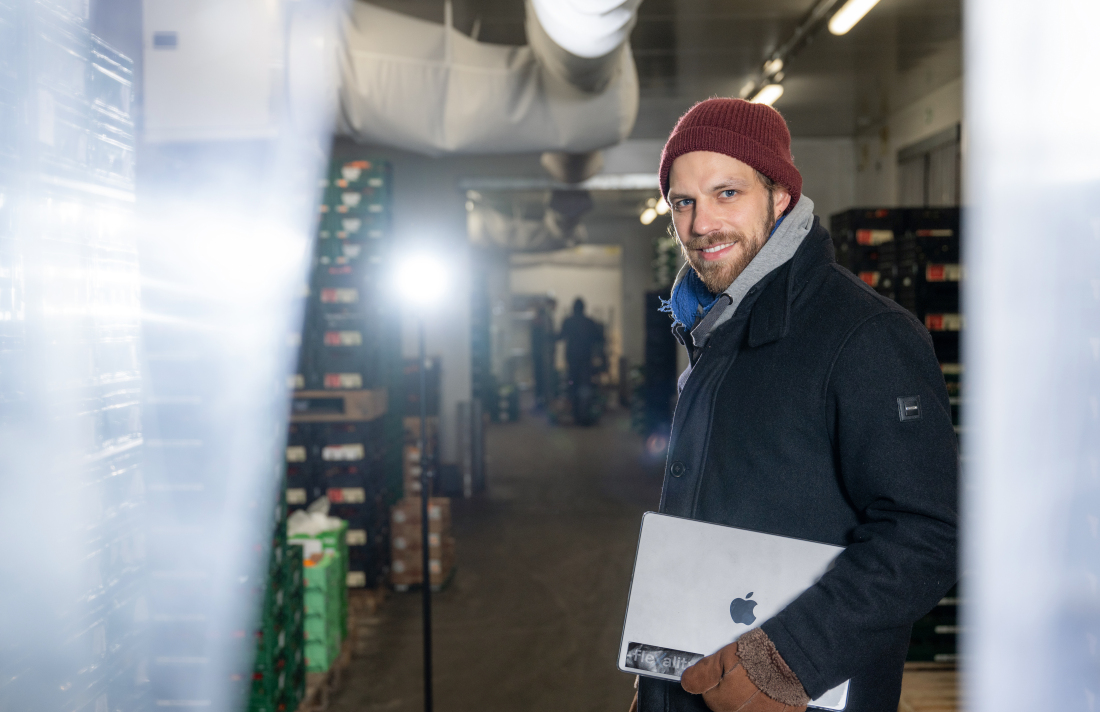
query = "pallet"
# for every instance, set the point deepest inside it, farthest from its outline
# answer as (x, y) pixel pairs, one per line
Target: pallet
(337, 406)
(930, 687)
(320, 686)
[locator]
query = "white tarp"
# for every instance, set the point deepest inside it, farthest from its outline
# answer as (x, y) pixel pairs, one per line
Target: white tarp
(427, 88)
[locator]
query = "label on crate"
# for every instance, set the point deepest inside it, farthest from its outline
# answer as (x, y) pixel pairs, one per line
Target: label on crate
(343, 338)
(871, 279)
(357, 579)
(339, 295)
(351, 199)
(874, 237)
(434, 540)
(356, 537)
(347, 495)
(374, 234)
(943, 232)
(343, 453)
(354, 170)
(398, 566)
(295, 495)
(296, 382)
(343, 380)
(435, 566)
(435, 512)
(375, 207)
(350, 225)
(400, 543)
(296, 453)
(351, 250)
(375, 182)
(341, 270)
(943, 322)
(943, 273)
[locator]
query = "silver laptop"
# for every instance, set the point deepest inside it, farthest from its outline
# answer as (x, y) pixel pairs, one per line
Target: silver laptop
(698, 587)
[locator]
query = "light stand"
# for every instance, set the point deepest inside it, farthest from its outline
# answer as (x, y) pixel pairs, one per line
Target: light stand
(421, 281)
(425, 485)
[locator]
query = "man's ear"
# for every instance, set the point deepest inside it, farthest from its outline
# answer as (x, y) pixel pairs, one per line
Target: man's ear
(782, 200)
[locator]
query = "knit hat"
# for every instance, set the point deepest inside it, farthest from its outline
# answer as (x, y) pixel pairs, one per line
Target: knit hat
(755, 134)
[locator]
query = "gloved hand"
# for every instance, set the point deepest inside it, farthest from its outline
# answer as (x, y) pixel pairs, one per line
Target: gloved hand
(747, 676)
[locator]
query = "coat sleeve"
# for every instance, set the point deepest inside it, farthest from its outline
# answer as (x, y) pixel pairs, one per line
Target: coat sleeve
(900, 473)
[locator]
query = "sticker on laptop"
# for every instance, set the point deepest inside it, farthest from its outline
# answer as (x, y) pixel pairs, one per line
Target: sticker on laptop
(664, 661)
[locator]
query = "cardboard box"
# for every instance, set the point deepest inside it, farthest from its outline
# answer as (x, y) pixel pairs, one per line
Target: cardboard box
(407, 511)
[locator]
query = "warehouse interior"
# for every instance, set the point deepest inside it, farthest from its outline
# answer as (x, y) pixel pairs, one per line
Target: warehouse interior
(270, 269)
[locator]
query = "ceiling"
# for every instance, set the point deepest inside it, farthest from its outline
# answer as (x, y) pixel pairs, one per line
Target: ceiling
(687, 50)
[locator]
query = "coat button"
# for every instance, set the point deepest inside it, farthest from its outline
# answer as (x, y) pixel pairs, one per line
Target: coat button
(677, 469)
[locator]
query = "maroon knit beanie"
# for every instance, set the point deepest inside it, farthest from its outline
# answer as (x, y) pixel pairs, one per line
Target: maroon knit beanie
(755, 134)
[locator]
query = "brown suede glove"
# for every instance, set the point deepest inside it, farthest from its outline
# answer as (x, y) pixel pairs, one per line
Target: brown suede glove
(746, 676)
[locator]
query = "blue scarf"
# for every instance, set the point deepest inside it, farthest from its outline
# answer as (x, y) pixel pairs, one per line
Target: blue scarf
(691, 295)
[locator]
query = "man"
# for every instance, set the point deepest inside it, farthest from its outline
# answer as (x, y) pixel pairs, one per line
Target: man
(813, 408)
(583, 340)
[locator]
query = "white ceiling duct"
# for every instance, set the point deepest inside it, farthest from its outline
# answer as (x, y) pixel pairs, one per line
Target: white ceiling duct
(428, 88)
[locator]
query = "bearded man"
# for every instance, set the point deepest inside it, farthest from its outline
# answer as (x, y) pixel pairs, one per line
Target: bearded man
(813, 408)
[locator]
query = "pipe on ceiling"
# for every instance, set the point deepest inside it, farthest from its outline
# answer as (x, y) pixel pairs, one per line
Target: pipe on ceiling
(427, 88)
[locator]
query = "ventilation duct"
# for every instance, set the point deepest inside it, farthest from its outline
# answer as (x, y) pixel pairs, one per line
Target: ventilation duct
(427, 88)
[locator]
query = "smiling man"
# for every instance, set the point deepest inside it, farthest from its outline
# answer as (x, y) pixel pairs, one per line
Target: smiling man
(813, 408)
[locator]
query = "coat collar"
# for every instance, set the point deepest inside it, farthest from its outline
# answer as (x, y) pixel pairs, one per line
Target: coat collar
(771, 314)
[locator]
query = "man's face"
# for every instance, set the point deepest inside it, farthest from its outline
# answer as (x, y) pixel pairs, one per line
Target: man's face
(722, 213)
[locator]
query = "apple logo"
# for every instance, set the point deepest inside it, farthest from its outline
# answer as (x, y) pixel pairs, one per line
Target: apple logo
(741, 610)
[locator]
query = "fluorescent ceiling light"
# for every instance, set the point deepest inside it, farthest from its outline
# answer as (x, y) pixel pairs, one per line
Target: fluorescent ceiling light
(662, 206)
(747, 90)
(769, 94)
(848, 15)
(648, 215)
(772, 66)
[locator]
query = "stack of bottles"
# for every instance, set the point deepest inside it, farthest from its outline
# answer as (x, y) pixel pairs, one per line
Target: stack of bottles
(323, 540)
(912, 255)
(278, 675)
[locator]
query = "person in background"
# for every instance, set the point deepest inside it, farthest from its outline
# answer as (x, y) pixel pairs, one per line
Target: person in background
(812, 408)
(584, 341)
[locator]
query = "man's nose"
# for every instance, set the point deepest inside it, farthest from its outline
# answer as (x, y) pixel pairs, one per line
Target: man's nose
(705, 220)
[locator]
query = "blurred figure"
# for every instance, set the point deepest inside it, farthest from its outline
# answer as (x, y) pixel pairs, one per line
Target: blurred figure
(584, 343)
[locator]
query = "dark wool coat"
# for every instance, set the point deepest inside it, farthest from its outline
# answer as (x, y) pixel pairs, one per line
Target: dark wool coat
(794, 422)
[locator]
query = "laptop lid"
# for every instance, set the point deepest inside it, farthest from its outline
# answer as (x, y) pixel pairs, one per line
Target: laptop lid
(698, 587)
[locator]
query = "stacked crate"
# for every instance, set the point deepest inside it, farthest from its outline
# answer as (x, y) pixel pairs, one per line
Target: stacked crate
(408, 545)
(912, 255)
(325, 610)
(278, 675)
(344, 438)
(69, 328)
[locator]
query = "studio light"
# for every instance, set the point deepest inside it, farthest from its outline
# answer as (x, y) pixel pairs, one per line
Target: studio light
(773, 66)
(648, 215)
(768, 95)
(848, 15)
(662, 206)
(421, 279)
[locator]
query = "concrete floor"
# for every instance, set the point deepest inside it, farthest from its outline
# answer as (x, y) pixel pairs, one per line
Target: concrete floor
(533, 617)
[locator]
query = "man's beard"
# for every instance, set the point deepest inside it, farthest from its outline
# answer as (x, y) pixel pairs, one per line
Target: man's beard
(718, 276)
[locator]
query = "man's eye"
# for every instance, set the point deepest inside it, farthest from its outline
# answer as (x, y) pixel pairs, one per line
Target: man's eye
(682, 203)
(729, 193)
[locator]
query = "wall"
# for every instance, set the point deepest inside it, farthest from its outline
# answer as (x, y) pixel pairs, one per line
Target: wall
(598, 283)
(828, 168)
